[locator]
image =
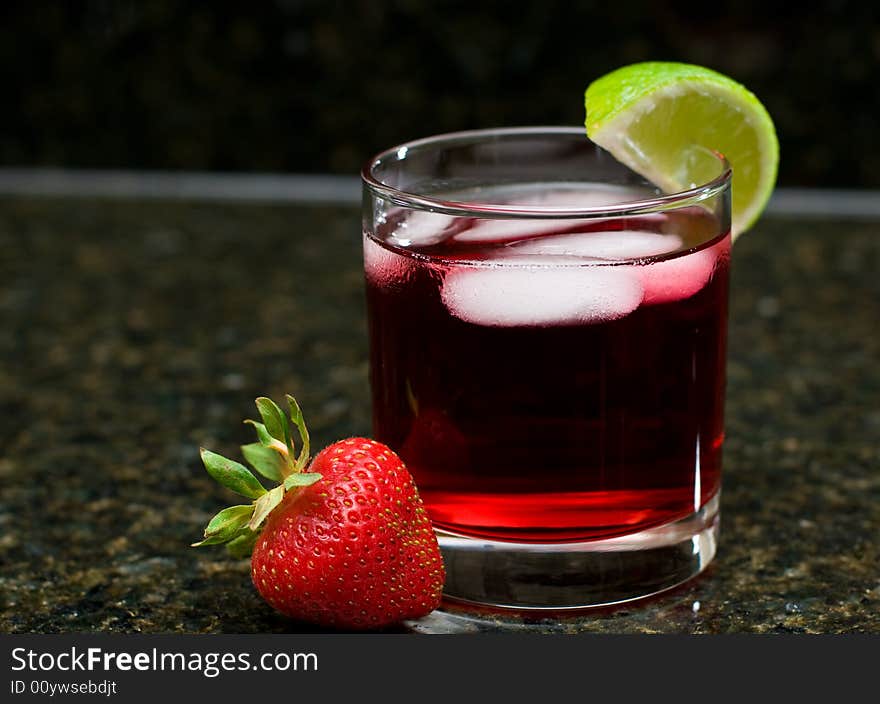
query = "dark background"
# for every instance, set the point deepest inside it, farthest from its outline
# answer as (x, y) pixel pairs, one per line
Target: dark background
(312, 86)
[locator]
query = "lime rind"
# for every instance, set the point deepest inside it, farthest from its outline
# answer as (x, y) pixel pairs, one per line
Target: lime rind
(650, 115)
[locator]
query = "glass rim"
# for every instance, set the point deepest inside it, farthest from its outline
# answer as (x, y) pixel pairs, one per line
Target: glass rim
(640, 206)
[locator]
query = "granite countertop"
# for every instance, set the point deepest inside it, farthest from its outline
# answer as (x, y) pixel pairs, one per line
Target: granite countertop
(133, 332)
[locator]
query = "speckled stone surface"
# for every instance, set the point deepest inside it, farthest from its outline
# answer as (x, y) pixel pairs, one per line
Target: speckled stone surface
(134, 332)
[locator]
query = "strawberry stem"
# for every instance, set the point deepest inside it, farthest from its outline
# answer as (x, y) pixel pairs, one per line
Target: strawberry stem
(272, 457)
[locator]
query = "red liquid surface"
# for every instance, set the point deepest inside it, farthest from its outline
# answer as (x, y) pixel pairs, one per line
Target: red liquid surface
(531, 427)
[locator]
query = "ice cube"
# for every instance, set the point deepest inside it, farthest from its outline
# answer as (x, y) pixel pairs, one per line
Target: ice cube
(510, 230)
(513, 229)
(578, 196)
(382, 266)
(678, 278)
(527, 294)
(421, 228)
(619, 245)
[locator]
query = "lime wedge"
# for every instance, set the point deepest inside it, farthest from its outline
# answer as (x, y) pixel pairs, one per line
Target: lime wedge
(651, 115)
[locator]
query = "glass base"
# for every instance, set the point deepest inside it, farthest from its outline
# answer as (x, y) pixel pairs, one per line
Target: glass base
(571, 576)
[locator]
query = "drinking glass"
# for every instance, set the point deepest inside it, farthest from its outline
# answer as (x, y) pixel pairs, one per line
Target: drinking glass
(547, 355)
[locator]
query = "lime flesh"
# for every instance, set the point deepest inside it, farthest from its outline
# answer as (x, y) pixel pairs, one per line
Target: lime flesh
(651, 116)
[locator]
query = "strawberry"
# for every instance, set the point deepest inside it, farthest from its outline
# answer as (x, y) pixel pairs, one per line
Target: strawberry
(343, 542)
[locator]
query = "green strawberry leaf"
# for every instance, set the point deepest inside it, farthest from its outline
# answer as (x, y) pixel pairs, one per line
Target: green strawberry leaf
(302, 479)
(265, 460)
(275, 421)
(229, 521)
(273, 458)
(272, 417)
(263, 436)
(232, 475)
(211, 540)
(226, 525)
(296, 417)
(243, 544)
(264, 506)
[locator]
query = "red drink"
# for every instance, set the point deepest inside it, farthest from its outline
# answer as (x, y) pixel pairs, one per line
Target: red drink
(551, 380)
